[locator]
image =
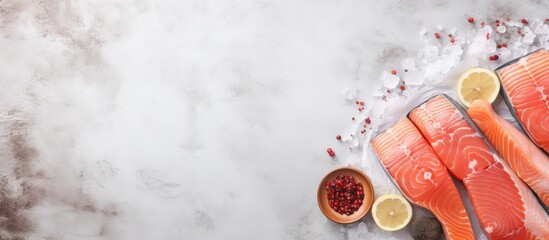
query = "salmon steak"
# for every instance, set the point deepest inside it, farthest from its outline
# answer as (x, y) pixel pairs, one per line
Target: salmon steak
(529, 162)
(525, 84)
(505, 207)
(414, 166)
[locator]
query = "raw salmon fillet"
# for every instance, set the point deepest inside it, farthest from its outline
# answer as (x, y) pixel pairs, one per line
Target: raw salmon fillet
(504, 205)
(526, 159)
(526, 88)
(420, 175)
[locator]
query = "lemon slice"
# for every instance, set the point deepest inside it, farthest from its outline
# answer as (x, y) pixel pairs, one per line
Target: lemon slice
(391, 212)
(477, 83)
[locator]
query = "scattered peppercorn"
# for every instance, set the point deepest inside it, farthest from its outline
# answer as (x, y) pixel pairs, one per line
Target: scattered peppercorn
(353, 118)
(471, 20)
(330, 152)
(394, 72)
(338, 137)
(452, 40)
(524, 21)
(402, 88)
(361, 103)
(437, 35)
(368, 121)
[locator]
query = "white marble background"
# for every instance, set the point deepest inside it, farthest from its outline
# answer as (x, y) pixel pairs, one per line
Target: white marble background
(193, 119)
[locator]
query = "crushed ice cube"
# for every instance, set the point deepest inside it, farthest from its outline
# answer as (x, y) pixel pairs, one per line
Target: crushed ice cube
(354, 142)
(408, 64)
(514, 23)
(454, 51)
(389, 80)
(501, 29)
(528, 36)
(480, 44)
(429, 53)
(505, 53)
(413, 78)
(541, 29)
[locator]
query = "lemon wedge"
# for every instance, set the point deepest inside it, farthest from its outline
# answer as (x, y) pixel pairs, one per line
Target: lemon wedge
(477, 83)
(391, 212)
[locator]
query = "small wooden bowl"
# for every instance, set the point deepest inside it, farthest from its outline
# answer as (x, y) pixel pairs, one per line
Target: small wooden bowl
(360, 177)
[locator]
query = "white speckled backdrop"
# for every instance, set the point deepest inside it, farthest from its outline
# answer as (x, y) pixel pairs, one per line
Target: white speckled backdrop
(191, 119)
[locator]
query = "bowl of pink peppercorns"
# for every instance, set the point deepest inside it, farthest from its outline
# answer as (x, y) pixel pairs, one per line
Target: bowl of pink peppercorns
(345, 195)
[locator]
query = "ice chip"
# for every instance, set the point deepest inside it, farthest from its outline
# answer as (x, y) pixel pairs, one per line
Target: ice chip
(541, 29)
(505, 54)
(389, 80)
(409, 64)
(413, 78)
(528, 37)
(480, 44)
(354, 142)
(431, 69)
(429, 53)
(501, 29)
(514, 23)
(446, 63)
(454, 50)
